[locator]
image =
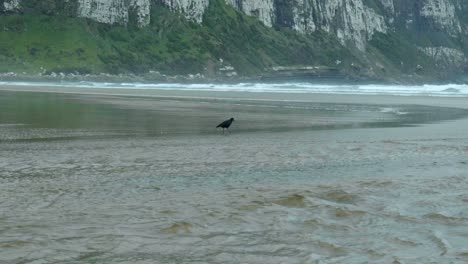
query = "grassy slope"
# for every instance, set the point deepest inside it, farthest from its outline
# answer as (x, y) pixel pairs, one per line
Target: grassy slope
(170, 44)
(31, 42)
(236, 34)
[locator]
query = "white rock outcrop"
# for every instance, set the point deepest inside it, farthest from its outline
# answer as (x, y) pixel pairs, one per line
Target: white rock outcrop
(143, 11)
(350, 20)
(104, 11)
(114, 11)
(445, 55)
(389, 5)
(11, 5)
(443, 15)
(303, 15)
(191, 9)
(263, 10)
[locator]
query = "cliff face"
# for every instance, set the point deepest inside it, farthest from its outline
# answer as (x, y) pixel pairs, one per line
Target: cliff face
(437, 29)
(104, 11)
(191, 9)
(351, 21)
(442, 15)
(114, 11)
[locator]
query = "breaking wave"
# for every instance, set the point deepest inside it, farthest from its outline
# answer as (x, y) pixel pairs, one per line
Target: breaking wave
(450, 90)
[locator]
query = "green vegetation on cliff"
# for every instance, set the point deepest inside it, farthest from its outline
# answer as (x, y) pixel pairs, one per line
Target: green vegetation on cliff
(170, 44)
(46, 36)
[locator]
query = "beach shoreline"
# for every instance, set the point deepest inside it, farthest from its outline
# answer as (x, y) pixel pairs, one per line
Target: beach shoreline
(142, 176)
(460, 102)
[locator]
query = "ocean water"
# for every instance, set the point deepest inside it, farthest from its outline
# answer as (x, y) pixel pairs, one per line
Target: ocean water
(111, 179)
(446, 90)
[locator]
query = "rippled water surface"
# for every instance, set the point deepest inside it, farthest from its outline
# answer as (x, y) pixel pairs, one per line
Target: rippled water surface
(106, 179)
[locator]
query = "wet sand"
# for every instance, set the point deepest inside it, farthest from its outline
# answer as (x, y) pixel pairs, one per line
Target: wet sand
(143, 177)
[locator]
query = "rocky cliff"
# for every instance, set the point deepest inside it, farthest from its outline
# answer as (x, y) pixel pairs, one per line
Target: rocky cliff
(375, 36)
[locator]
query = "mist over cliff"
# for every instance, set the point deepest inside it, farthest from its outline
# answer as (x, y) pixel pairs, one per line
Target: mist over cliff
(364, 39)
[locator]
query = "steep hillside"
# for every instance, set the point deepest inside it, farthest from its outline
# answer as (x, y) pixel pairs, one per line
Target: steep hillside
(378, 39)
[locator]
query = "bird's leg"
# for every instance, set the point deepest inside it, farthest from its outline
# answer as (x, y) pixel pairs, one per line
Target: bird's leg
(223, 130)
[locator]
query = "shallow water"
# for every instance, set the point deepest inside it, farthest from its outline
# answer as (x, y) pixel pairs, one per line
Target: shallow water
(35, 116)
(137, 180)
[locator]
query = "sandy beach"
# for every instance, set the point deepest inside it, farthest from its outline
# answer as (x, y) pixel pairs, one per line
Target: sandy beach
(143, 176)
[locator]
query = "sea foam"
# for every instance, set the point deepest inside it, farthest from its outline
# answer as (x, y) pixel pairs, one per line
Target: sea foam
(446, 90)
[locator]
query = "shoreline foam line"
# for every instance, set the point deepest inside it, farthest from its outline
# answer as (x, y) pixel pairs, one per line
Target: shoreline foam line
(446, 90)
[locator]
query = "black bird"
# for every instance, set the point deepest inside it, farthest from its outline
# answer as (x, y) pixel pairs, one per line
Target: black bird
(226, 124)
